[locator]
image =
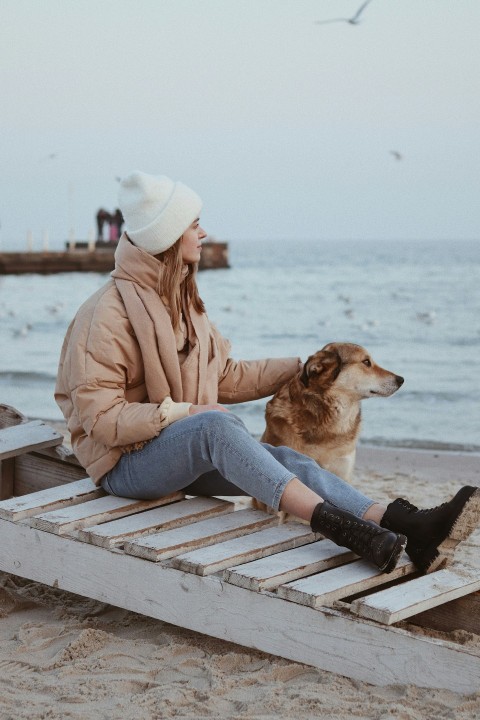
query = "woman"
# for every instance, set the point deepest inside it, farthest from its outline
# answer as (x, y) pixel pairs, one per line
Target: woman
(141, 374)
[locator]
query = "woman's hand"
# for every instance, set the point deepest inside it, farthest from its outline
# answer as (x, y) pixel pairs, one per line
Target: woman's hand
(195, 409)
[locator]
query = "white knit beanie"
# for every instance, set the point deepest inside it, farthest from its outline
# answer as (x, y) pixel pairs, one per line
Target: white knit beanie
(156, 210)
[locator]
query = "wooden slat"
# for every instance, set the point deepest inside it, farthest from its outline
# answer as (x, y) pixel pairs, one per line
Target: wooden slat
(325, 638)
(397, 603)
(35, 471)
(206, 532)
(7, 475)
(10, 416)
(62, 453)
(64, 520)
(270, 572)
(50, 499)
(27, 436)
(244, 549)
(325, 588)
(460, 614)
(177, 514)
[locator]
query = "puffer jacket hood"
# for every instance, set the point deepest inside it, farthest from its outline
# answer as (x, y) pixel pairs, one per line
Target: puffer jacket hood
(134, 264)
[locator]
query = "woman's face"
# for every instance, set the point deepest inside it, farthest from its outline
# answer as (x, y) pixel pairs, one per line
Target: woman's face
(191, 243)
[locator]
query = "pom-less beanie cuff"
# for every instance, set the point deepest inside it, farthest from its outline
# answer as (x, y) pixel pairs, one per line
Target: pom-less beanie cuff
(157, 211)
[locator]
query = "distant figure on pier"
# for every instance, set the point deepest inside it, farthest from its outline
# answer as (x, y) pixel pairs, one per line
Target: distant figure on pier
(103, 216)
(117, 223)
(114, 221)
(113, 234)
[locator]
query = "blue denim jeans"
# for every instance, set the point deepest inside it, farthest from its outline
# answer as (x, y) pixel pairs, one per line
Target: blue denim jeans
(213, 453)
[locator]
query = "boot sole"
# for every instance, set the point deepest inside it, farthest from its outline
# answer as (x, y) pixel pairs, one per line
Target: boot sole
(396, 554)
(440, 555)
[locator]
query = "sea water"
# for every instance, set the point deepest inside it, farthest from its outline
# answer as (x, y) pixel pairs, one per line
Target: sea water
(415, 306)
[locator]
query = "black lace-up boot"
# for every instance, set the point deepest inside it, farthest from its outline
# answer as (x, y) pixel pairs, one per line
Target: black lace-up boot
(365, 538)
(433, 534)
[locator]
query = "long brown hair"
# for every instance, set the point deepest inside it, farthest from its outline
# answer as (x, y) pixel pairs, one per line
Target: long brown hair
(175, 287)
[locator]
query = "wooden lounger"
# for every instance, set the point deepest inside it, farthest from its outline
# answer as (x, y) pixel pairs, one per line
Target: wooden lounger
(237, 575)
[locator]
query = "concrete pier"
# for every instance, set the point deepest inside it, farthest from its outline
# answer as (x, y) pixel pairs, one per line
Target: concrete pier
(81, 259)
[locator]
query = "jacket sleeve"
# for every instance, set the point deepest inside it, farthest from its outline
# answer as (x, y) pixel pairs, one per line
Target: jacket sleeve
(244, 380)
(97, 362)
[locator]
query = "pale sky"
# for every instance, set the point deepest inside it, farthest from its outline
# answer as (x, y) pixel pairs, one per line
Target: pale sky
(285, 128)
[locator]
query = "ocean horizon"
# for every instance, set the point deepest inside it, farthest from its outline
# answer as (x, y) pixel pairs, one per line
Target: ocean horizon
(415, 306)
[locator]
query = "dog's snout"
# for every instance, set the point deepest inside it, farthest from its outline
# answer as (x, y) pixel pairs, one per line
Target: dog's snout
(399, 380)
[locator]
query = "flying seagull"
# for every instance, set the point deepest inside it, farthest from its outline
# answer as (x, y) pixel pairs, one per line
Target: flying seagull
(355, 20)
(396, 154)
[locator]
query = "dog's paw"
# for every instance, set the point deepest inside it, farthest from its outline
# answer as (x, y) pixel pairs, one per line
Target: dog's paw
(259, 505)
(283, 517)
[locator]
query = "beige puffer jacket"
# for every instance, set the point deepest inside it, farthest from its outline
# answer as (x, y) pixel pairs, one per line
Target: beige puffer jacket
(101, 386)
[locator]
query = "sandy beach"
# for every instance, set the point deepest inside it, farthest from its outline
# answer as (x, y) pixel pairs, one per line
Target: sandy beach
(65, 656)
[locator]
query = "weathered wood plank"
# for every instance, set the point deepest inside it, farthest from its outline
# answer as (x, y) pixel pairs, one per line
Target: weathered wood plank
(28, 436)
(397, 603)
(325, 588)
(80, 491)
(460, 614)
(10, 416)
(35, 471)
(62, 453)
(244, 549)
(206, 532)
(7, 474)
(325, 638)
(93, 512)
(270, 572)
(177, 514)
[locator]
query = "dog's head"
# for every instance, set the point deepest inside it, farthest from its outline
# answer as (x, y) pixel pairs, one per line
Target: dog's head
(348, 369)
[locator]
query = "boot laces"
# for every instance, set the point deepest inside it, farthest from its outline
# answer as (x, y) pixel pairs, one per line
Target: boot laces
(431, 510)
(360, 535)
(413, 508)
(407, 505)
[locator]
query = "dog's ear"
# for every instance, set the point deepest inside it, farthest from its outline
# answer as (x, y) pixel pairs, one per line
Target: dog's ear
(304, 375)
(324, 366)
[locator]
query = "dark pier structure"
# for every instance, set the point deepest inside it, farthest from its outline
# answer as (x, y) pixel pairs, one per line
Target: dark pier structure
(82, 258)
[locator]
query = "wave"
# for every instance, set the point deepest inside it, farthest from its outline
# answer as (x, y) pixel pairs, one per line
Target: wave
(25, 377)
(429, 397)
(421, 444)
(468, 341)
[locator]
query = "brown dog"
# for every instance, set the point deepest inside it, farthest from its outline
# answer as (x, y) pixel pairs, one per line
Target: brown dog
(318, 411)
